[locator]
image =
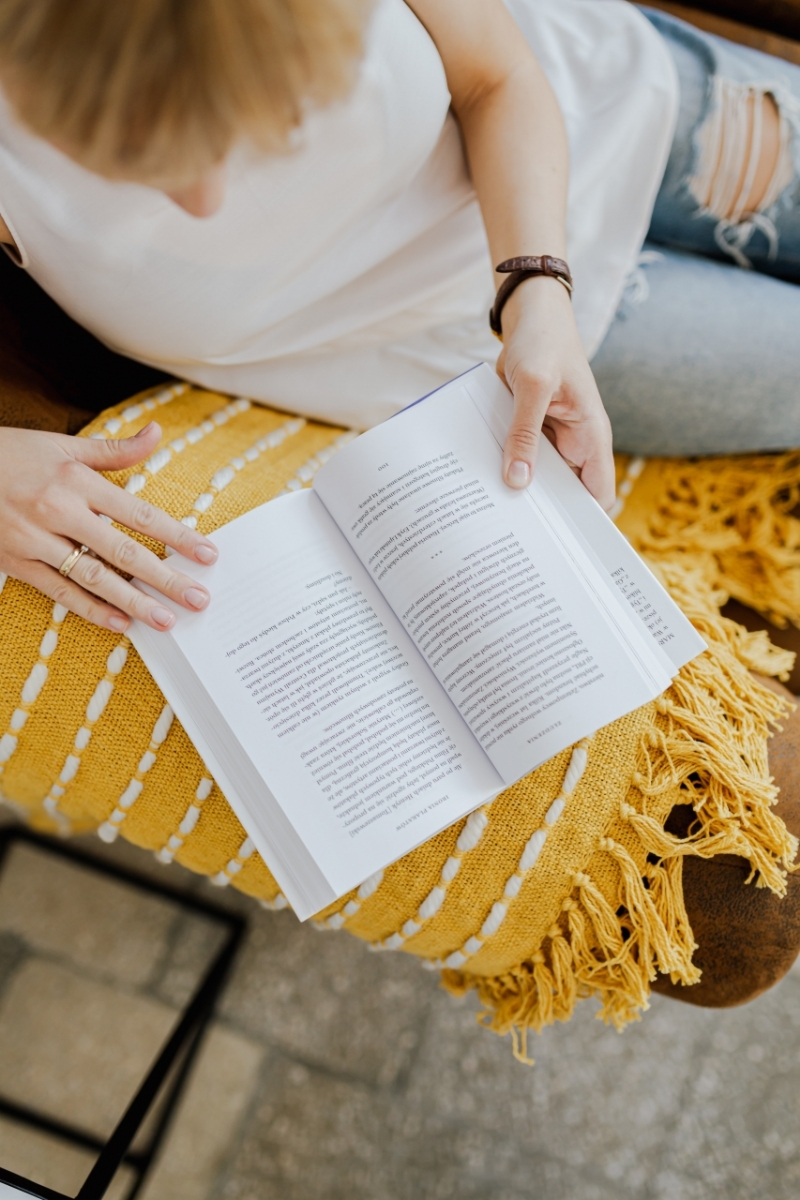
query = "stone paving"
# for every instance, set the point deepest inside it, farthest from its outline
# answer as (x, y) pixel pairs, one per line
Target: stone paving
(336, 1074)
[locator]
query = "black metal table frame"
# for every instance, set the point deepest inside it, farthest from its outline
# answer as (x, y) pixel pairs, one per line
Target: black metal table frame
(178, 1051)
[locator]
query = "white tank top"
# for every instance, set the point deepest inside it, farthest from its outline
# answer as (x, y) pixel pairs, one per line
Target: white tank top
(348, 276)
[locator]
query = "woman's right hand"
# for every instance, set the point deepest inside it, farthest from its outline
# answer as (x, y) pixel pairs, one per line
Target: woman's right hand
(52, 500)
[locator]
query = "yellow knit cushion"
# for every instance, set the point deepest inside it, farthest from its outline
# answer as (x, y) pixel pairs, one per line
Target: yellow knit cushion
(543, 896)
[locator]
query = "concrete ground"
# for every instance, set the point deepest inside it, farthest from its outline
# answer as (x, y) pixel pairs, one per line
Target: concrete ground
(335, 1074)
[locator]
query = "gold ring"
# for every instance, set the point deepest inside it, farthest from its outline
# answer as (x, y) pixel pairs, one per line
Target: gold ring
(71, 559)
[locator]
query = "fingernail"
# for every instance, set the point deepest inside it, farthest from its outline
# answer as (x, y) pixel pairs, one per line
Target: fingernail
(162, 617)
(142, 432)
(197, 597)
(518, 474)
(206, 553)
(119, 624)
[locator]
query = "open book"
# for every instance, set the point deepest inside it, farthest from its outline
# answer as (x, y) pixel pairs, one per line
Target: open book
(389, 650)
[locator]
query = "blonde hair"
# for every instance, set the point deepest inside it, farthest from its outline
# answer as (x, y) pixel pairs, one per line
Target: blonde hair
(163, 88)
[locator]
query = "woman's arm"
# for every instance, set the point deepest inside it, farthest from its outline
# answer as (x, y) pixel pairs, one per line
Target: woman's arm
(517, 152)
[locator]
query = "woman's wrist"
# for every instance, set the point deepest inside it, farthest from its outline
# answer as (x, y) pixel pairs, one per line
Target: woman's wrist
(532, 296)
(515, 271)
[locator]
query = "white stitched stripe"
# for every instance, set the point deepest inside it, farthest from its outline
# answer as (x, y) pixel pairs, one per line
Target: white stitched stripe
(34, 683)
(432, 903)
(222, 478)
(533, 847)
(108, 831)
(234, 865)
(554, 811)
(305, 473)
(163, 455)
(513, 884)
(132, 792)
(472, 832)
(451, 869)
(158, 460)
(114, 425)
(456, 959)
(8, 744)
(48, 643)
(163, 725)
(190, 818)
(494, 920)
(577, 766)
(117, 658)
(189, 821)
(32, 688)
(367, 889)
(225, 475)
(468, 839)
(370, 885)
(527, 860)
(94, 710)
(132, 413)
(97, 704)
(82, 738)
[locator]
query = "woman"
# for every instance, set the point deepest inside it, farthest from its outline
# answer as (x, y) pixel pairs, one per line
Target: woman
(339, 264)
(302, 201)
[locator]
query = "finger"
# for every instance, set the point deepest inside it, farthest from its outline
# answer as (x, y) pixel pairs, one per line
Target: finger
(128, 556)
(114, 454)
(587, 448)
(598, 473)
(532, 395)
(138, 514)
(96, 577)
(71, 596)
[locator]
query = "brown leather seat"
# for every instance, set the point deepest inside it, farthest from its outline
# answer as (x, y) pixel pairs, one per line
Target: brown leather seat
(777, 16)
(747, 937)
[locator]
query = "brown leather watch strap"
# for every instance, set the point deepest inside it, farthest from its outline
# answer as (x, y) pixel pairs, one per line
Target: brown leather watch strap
(524, 267)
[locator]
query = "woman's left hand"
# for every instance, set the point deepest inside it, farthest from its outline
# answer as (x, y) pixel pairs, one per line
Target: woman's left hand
(544, 365)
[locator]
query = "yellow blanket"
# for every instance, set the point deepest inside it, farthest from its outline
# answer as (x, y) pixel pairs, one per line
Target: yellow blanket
(536, 900)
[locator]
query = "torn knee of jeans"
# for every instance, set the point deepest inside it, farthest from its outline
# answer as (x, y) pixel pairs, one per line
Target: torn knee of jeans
(744, 153)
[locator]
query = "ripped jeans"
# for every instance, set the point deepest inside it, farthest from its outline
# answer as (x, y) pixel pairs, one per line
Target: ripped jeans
(703, 356)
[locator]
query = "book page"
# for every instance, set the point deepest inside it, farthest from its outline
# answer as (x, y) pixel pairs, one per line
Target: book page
(477, 576)
(322, 690)
(600, 539)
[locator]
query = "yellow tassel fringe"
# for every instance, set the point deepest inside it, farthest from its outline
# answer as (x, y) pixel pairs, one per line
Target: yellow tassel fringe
(736, 519)
(613, 947)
